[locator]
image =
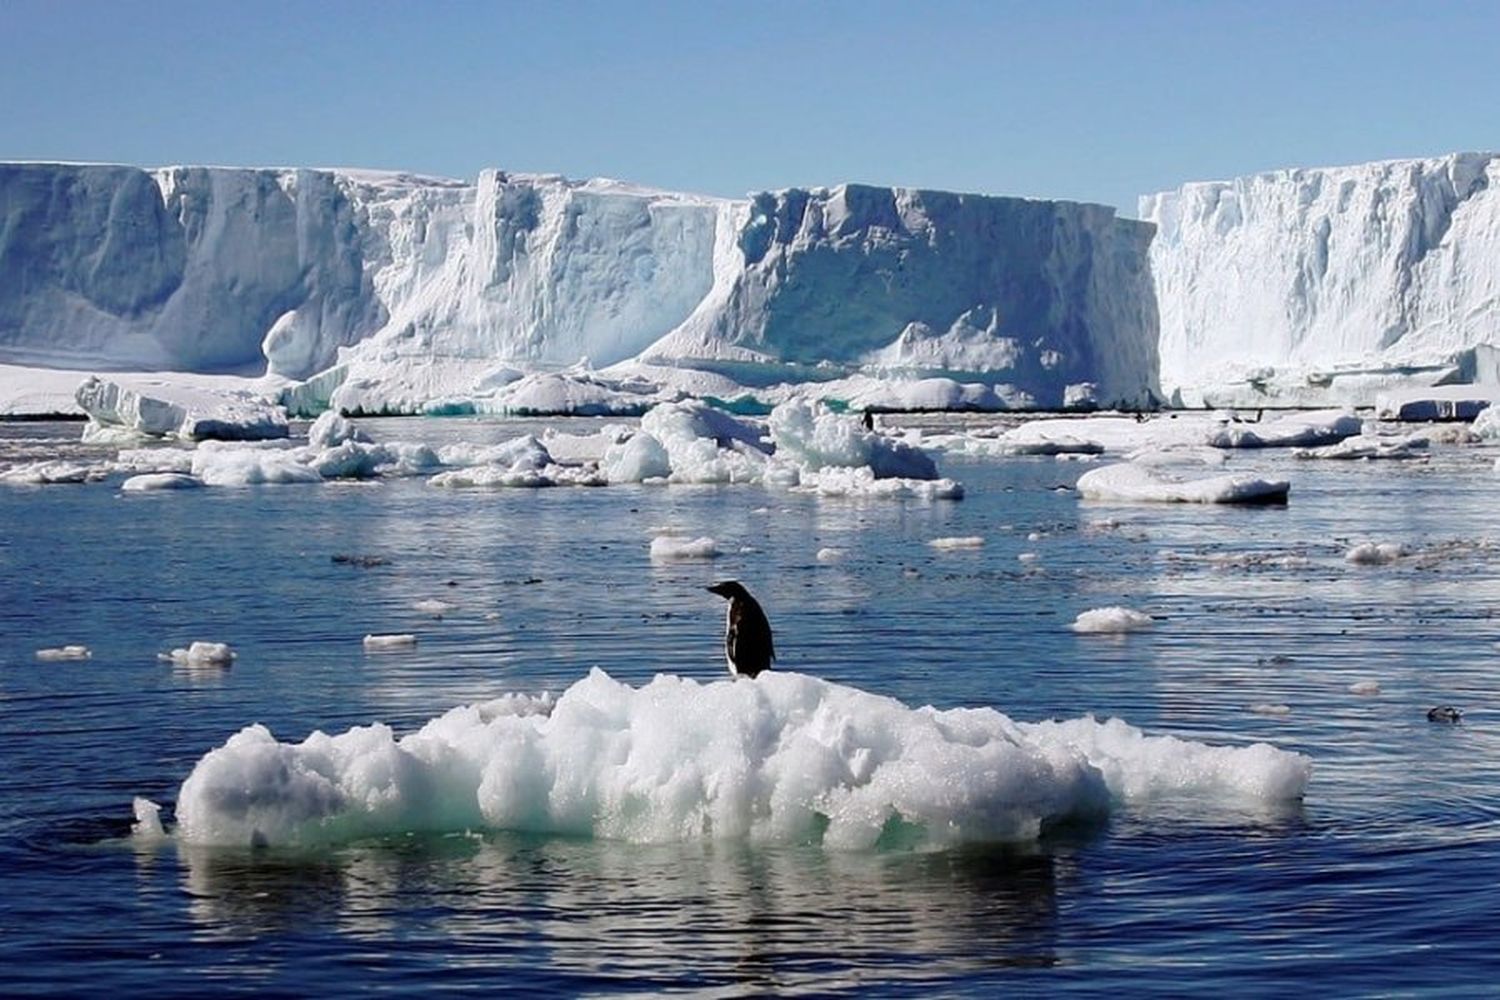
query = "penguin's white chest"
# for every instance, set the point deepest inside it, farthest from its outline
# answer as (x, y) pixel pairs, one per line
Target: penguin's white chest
(729, 638)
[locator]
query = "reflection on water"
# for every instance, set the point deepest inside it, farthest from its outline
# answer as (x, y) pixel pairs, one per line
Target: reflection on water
(783, 919)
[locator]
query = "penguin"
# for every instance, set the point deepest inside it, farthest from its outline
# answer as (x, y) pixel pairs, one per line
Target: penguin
(747, 634)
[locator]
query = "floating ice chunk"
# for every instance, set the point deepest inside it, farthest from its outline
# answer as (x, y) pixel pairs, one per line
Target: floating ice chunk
(1271, 709)
(1445, 402)
(1374, 553)
(1318, 427)
(147, 825)
(830, 554)
(161, 459)
(221, 464)
(1112, 619)
(434, 607)
(861, 482)
(161, 408)
(65, 653)
(1366, 446)
(666, 548)
(399, 640)
(787, 759)
(636, 460)
(53, 472)
(1365, 687)
(556, 393)
(814, 437)
(332, 429)
(1027, 557)
(1131, 483)
(958, 542)
(153, 481)
(201, 654)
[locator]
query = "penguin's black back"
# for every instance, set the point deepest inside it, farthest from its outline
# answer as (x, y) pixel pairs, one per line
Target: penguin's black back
(748, 640)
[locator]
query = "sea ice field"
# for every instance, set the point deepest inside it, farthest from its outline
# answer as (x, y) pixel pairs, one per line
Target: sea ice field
(1060, 707)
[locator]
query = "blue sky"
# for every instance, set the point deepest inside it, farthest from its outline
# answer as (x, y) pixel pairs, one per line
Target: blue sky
(1087, 101)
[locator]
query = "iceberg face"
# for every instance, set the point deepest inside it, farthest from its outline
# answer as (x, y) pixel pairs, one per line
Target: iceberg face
(1305, 285)
(374, 278)
(1034, 294)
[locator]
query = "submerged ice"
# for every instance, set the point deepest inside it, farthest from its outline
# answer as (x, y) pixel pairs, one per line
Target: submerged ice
(788, 758)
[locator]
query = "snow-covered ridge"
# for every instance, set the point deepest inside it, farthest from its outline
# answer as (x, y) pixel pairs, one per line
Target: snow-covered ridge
(382, 276)
(1299, 286)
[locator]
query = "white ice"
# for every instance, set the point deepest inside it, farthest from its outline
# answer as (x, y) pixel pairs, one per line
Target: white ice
(786, 758)
(666, 548)
(202, 654)
(390, 640)
(164, 407)
(154, 481)
(1112, 619)
(65, 653)
(1128, 482)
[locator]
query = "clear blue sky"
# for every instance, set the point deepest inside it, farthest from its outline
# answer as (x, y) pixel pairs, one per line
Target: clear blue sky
(1088, 101)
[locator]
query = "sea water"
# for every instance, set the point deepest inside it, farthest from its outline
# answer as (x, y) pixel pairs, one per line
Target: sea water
(1379, 881)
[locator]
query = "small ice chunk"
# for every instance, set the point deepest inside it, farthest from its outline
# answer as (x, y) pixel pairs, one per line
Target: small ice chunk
(1270, 709)
(668, 547)
(1365, 687)
(434, 607)
(202, 654)
(147, 825)
(1132, 483)
(1027, 557)
(398, 640)
(1374, 554)
(65, 653)
(1112, 619)
(830, 554)
(958, 542)
(160, 481)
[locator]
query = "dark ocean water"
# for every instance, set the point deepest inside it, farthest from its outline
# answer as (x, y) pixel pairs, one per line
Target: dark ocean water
(1383, 881)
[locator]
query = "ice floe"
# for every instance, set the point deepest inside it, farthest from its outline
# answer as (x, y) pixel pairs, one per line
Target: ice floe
(390, 640)
(1305, 429)
(1112, 619)
(1133, 483)
(154, 481)
(665, 548)
(787, 758)
(52, 472)
(958, 542)
(55, 653)
(201, 654)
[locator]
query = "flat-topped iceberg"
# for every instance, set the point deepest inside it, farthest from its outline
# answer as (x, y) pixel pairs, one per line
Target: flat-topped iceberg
(786, 758)
(394, 293)
(1306, 286)
(159, 407)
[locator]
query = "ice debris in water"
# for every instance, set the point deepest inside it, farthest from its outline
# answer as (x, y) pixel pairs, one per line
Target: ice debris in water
(51, 472)
(830, 554)
(958, 542)
(390, 640)
(153, 481)
(65, 653)
(1112, 619)
(1271, 709)
(788, 758)
(1365, 687)
(1374, 553)
(433, 606)
(669, 547)
(147, 825)
(201, 654)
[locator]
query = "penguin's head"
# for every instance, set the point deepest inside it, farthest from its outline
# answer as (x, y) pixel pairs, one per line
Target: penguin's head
(728, 589)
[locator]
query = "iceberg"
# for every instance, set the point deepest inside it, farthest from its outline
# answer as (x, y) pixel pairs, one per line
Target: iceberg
(394, 293)
(158, 407)
(1314, 286)
(1132, 482)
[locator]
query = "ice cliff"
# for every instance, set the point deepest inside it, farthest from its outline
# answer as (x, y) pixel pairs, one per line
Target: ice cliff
(422, 288)
(1301, 285)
